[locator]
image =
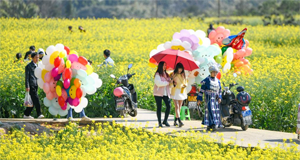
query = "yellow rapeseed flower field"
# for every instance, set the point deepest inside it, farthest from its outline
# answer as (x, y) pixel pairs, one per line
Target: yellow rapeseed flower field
(105, 141)
(274, 85)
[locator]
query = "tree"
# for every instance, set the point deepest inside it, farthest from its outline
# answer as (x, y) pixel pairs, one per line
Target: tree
(18, 9)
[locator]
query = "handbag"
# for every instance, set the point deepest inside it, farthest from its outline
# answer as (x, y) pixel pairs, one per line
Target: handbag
(28, 101)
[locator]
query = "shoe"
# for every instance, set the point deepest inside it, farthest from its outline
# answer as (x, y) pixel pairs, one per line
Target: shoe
(71, 119)
(175, 122)
(41, 116)
(28, 117)
(181, 124)
(85, 118)
(166, 123)
(160, 125)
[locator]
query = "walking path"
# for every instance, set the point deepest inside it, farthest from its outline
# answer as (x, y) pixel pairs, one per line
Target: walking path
(147, 119)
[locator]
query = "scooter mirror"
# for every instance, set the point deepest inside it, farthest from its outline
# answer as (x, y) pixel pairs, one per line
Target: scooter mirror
(129, 66)
(112, 76)
(234, 75)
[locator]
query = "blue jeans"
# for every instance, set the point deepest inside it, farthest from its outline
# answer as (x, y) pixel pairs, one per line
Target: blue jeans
(82, 114)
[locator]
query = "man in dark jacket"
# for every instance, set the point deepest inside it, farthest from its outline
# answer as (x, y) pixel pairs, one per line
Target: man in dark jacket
(28, 54)
(32, 87)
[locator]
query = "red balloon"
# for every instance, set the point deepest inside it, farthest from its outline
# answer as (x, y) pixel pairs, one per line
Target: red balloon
(82, 60)
(219, 75)
(61, 101)
(67, 73)
(67, 49)
(57, 61)
(78, 93)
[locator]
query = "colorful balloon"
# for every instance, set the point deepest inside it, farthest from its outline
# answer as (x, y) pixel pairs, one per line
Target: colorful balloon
(66, 83)
(68, 63)
(53, 56)
(89, 69)
(67, 73)
(73, 52)
(54, 72)
(49, 95)
(76, 102)
(57, 61)
(62, 54)
(78, 93)
(76, 82)
(64, 94)
(64, 107)
(52, 84)
(58, 90)
(73, 57)
(46, 87)
(72, 92)
(59, 83)
(57, 77)
(82, 60)
(67, 49)
(61, 101)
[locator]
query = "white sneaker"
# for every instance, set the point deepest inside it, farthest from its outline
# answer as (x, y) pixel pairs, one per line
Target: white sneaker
(85, 118)
(41, 116)
(71, 119)
(28, 117)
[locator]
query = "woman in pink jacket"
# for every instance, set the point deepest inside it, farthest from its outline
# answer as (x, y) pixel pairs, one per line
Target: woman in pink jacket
(161, 92)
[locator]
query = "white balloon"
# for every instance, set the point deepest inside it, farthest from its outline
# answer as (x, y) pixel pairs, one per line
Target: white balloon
(83, 103)
(98, 83)
(94, 75)
(186, 45)
(46, 59)
(63, 112)
(90, 80)
(176, 42)
(78, 109)
(206, 42)
(226, 67)
(83, 92)
(47, 102)
(70, 106)
(228, 51)
(59, 47)
(198, 63)
(82, 73)
(49, 67)
(38, 72)
(54, 103)
(161, 47)
(49, 51)
(41, 65)
(91, 90)
(74, 72)
(53, 111)
(200, 33)
(40, 82)
(168, 45)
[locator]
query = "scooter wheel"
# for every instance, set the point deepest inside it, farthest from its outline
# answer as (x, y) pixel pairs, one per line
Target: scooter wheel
(245, 127)
(133, 113)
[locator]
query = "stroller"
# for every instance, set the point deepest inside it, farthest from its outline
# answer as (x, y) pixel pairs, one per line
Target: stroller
(191, 102)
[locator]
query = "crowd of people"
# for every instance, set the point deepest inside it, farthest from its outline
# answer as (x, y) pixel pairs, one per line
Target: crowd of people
(173, 86)
(31, 80)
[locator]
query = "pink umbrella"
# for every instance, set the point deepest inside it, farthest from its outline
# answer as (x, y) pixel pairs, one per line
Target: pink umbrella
(172, 57)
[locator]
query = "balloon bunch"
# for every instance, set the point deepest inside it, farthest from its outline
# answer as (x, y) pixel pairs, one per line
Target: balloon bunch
(66, 78)
(221, 49)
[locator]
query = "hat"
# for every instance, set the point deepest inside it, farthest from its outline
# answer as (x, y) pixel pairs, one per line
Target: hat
(41, 51)
(213, 69)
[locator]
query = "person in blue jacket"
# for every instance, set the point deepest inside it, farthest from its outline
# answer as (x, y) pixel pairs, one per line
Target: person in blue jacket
(212, 91)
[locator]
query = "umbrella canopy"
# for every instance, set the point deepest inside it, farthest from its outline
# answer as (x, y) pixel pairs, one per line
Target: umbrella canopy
(172, 57)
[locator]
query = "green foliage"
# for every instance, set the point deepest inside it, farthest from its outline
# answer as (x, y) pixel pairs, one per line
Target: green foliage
(18, 9)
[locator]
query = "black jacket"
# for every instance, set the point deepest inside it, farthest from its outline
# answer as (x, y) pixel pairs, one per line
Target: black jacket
(30, 79)
(28, 55)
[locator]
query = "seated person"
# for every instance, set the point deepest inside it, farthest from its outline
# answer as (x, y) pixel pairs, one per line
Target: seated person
(108, 60)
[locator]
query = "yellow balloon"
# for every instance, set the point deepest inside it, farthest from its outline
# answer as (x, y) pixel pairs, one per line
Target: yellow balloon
(89, 69)
(151, 65)
(72, 92)
(178, 48)
(234, 50)
(43, 74)
(224, 61)
(53, 56)
(58, 90)
(200, 41)
(68, 64)
(73, 52)
(62, 54)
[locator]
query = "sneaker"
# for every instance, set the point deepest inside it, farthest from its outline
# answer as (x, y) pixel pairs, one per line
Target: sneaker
(41, 116)
(28, 117)
(71, 119)
(166, 123)
(85, 118)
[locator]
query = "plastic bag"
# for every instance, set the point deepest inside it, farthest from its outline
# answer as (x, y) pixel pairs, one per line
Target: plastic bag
(27, 100)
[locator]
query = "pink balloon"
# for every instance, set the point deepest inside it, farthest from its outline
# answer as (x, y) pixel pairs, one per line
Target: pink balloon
(239, 54)
(55, 94)
(61, 68)
(70, 101)
(48, 77)
(77, 65)
(245, 61)
(46, 88)
(217, 36)
(76, 101)
(67, 83)
(248, 51)
(64, 107)
(54, 72)
(52, 85)
(73, 58)
(49, 96)
(64, 94)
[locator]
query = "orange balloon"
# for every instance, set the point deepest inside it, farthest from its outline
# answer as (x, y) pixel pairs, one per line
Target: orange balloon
(238, 64)
(77, 83)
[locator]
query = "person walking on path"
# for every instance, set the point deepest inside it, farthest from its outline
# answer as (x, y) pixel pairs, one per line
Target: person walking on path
(178, 91)
(32, 87)
(211, 88)
(82, 115)
(161, 91)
